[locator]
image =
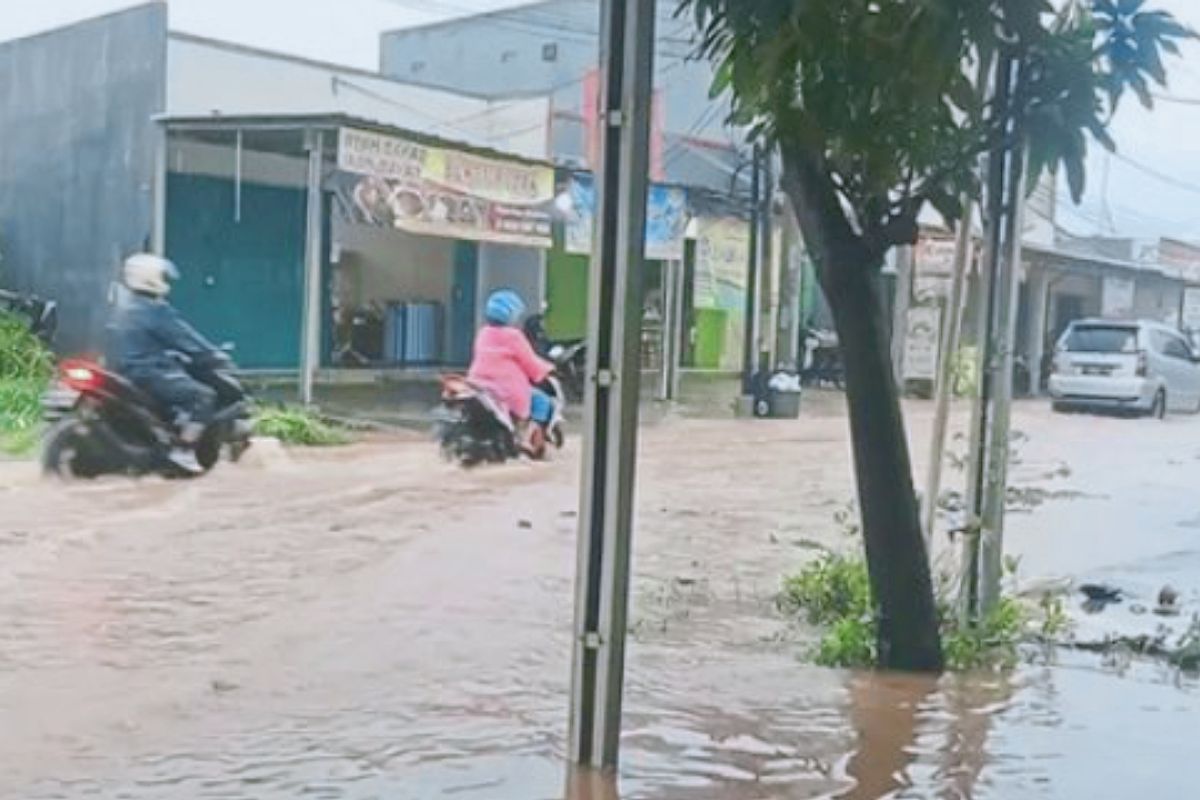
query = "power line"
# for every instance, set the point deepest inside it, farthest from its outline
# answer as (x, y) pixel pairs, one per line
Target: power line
(1164, 178)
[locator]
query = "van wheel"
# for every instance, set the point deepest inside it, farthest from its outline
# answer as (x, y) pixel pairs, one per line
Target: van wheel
(1159, 409)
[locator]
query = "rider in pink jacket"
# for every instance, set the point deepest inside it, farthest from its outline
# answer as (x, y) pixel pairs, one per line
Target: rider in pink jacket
(504, 362)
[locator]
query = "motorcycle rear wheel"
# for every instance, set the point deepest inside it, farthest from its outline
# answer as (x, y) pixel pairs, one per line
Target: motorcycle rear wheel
(66, 453)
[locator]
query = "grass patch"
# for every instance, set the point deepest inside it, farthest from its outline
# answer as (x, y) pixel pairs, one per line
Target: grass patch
(298, 427)
(25, 368)
(834, 593)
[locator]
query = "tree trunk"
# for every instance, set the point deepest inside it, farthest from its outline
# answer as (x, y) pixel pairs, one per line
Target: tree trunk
(896, 555)
(848, 269)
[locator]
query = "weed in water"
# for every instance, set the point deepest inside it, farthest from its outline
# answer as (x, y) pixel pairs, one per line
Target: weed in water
(297, 426)
(834, 593)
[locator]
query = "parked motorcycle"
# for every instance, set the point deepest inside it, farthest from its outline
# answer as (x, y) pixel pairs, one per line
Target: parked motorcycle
(42, 315)
(101, 424)
(569, 358)
(474, 428)
(822, 360)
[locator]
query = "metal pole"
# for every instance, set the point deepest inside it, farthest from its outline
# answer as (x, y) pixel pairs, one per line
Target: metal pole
(790, 298)
(982, 419)
(951, 328)
(677, 350)
(672, 329)
(310, 336)
(992, 544)
(766, 266)
(668, 329)
(750, 346)
(610, 448)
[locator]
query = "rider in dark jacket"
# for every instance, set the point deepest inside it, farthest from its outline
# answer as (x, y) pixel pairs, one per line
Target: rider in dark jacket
(146, 336)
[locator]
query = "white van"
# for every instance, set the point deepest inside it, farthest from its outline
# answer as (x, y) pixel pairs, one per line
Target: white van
(1142, 367)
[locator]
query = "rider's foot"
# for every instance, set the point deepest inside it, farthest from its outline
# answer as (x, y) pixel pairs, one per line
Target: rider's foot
(185, 459)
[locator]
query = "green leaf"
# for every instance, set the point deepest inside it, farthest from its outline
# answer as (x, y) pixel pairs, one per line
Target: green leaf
(722, 79)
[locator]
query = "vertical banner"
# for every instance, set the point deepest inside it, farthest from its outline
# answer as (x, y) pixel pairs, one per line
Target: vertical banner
(591, 118)
(921, 345)
(933, 270)
(721, 279)
(658, 123)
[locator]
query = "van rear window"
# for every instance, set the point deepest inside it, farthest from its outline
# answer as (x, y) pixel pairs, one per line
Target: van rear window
(1102, 339)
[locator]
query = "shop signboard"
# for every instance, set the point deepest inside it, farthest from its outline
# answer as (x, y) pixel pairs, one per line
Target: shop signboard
(921, 345)
(391, 182)
(666, 219)
(1117, 298)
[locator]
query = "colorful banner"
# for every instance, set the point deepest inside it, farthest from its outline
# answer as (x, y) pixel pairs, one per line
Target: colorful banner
(395, 183)
(721, 278)
(722, 263)
(666, 219)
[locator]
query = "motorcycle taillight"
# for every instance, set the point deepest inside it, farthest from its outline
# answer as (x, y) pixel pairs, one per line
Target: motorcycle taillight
(81, 376)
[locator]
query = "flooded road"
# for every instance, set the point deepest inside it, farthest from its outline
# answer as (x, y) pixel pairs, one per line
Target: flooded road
(372, 623)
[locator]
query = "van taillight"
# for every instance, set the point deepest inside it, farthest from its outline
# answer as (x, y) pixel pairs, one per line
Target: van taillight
(1143, 364)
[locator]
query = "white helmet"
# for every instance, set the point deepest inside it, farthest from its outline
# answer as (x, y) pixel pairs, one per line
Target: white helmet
(149, 274)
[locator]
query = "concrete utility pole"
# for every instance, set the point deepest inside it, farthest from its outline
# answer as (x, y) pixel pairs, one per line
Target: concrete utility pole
(672, 337)
(988, 478)
(614, 341)
(787, 346)
(753, 285)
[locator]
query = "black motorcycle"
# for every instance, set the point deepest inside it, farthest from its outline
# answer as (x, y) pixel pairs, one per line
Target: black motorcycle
(42, 315)
(822, 365)
(569, 358)
(474, 428)
(101, 424)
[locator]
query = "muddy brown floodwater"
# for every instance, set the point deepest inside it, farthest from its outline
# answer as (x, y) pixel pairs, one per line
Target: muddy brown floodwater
(372, 623)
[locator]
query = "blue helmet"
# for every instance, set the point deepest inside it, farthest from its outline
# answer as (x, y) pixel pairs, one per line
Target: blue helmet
(504, 307)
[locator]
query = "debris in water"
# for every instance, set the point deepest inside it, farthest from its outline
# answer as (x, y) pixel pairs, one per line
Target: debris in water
(1168, 602)
(1099, 597)
(222, 687)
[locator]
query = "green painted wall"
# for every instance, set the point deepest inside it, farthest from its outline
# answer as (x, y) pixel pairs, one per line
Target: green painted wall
(567, 295)
(241, 280)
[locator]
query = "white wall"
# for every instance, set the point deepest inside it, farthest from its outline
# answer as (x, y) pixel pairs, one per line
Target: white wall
(207, 78)
(522, 269)
(382, 265)
(213, 161)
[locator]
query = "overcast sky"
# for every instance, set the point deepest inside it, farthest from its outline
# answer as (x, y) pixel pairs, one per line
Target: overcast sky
(1166, 142)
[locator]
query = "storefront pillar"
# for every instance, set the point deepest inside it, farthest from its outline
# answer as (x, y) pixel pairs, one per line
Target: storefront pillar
(310, 334)
(1039, 302)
